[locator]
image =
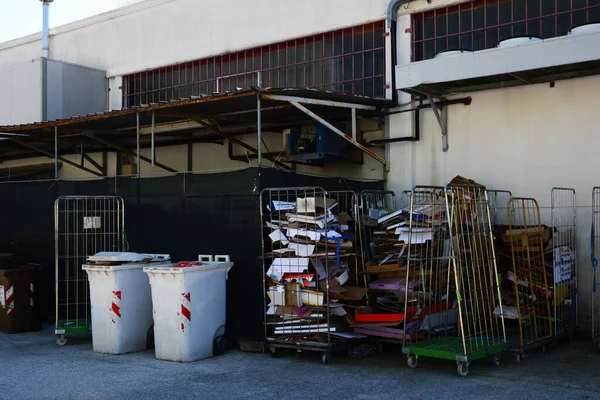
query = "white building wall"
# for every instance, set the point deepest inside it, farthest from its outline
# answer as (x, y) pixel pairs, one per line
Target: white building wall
(156, 33)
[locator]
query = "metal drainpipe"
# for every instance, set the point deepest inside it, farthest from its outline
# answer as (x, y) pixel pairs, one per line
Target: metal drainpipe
(45, 40)
(391, 21)
(466, 101)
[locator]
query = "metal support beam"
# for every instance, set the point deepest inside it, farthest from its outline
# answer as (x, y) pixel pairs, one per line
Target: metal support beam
(354, 122)
(56, 152)
(445, 144)
(259, 130)
(137, 130)
(86, 157)
(153, 147)
(190, 156)
(336, 130)
(126, 151)
(442, 117)
(316, 102)
(239, 142)
(104, 163)
(49, 154)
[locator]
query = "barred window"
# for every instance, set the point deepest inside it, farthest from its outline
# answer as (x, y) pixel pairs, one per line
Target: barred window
(482, 24)
(346, 61)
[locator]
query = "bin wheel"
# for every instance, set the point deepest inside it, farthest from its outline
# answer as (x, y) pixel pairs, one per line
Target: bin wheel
(519, 357)
(412, 361)
(496, 359)
(462, 369)
(61, 340)
(325, 358)
(219, 345)
(544, 348)
(274, 351)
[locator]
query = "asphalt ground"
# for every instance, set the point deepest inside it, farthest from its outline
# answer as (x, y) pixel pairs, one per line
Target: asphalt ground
(32, 366)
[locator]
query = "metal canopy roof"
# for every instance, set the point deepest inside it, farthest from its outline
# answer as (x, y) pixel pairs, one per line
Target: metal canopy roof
(199, 119)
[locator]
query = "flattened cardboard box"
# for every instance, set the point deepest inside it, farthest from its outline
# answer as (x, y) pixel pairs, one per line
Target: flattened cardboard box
(348, 293)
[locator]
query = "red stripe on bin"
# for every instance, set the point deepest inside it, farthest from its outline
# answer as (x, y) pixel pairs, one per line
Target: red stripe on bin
(186, 313)
(116, 309)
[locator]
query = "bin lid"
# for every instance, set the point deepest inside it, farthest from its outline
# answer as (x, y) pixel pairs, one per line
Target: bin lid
(195, 266)
(113, 256)
(124, 267)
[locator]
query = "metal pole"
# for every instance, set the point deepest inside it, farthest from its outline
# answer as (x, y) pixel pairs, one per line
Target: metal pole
(45, 27)
(354, 124)
(137, 127)
(259, 129)
(153, 131)
(56, 152)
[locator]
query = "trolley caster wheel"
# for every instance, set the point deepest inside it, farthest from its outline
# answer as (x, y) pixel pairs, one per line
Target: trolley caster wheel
(496, 359)
(61, 340)
(544, 348)
(273, 351)
(462, 369)
(412, 361)
(325, 358)
(519, 357)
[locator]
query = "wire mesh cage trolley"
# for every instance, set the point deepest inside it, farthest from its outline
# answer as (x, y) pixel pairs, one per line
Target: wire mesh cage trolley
(452, 276)
(347, 223)
(372, 204)
(564, 261)
(83, 226)
(306, 248)
(532, 296)
(499, 202)
(595, 255)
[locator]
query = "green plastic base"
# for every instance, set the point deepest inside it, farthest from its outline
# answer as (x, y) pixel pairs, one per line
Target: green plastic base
(73, 326)
(451, 348)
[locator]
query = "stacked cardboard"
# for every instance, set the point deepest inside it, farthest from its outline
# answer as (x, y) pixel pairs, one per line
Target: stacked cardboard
(392, 242)
(308, 278)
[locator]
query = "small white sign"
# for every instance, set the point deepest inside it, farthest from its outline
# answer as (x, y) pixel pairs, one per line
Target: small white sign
(92, 223)
(563, 272)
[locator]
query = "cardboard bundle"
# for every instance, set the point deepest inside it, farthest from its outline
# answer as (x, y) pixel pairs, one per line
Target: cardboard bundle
(306, 283)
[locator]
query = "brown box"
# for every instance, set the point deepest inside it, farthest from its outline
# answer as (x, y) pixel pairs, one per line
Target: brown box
(16, 299)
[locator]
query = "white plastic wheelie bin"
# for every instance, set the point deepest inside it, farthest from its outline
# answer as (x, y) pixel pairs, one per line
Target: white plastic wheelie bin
(121, 304)
(189, 307)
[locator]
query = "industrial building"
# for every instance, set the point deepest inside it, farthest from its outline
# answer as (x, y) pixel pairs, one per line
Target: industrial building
(404, 92)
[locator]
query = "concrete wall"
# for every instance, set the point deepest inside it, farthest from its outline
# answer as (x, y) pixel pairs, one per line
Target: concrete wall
(21, 93)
